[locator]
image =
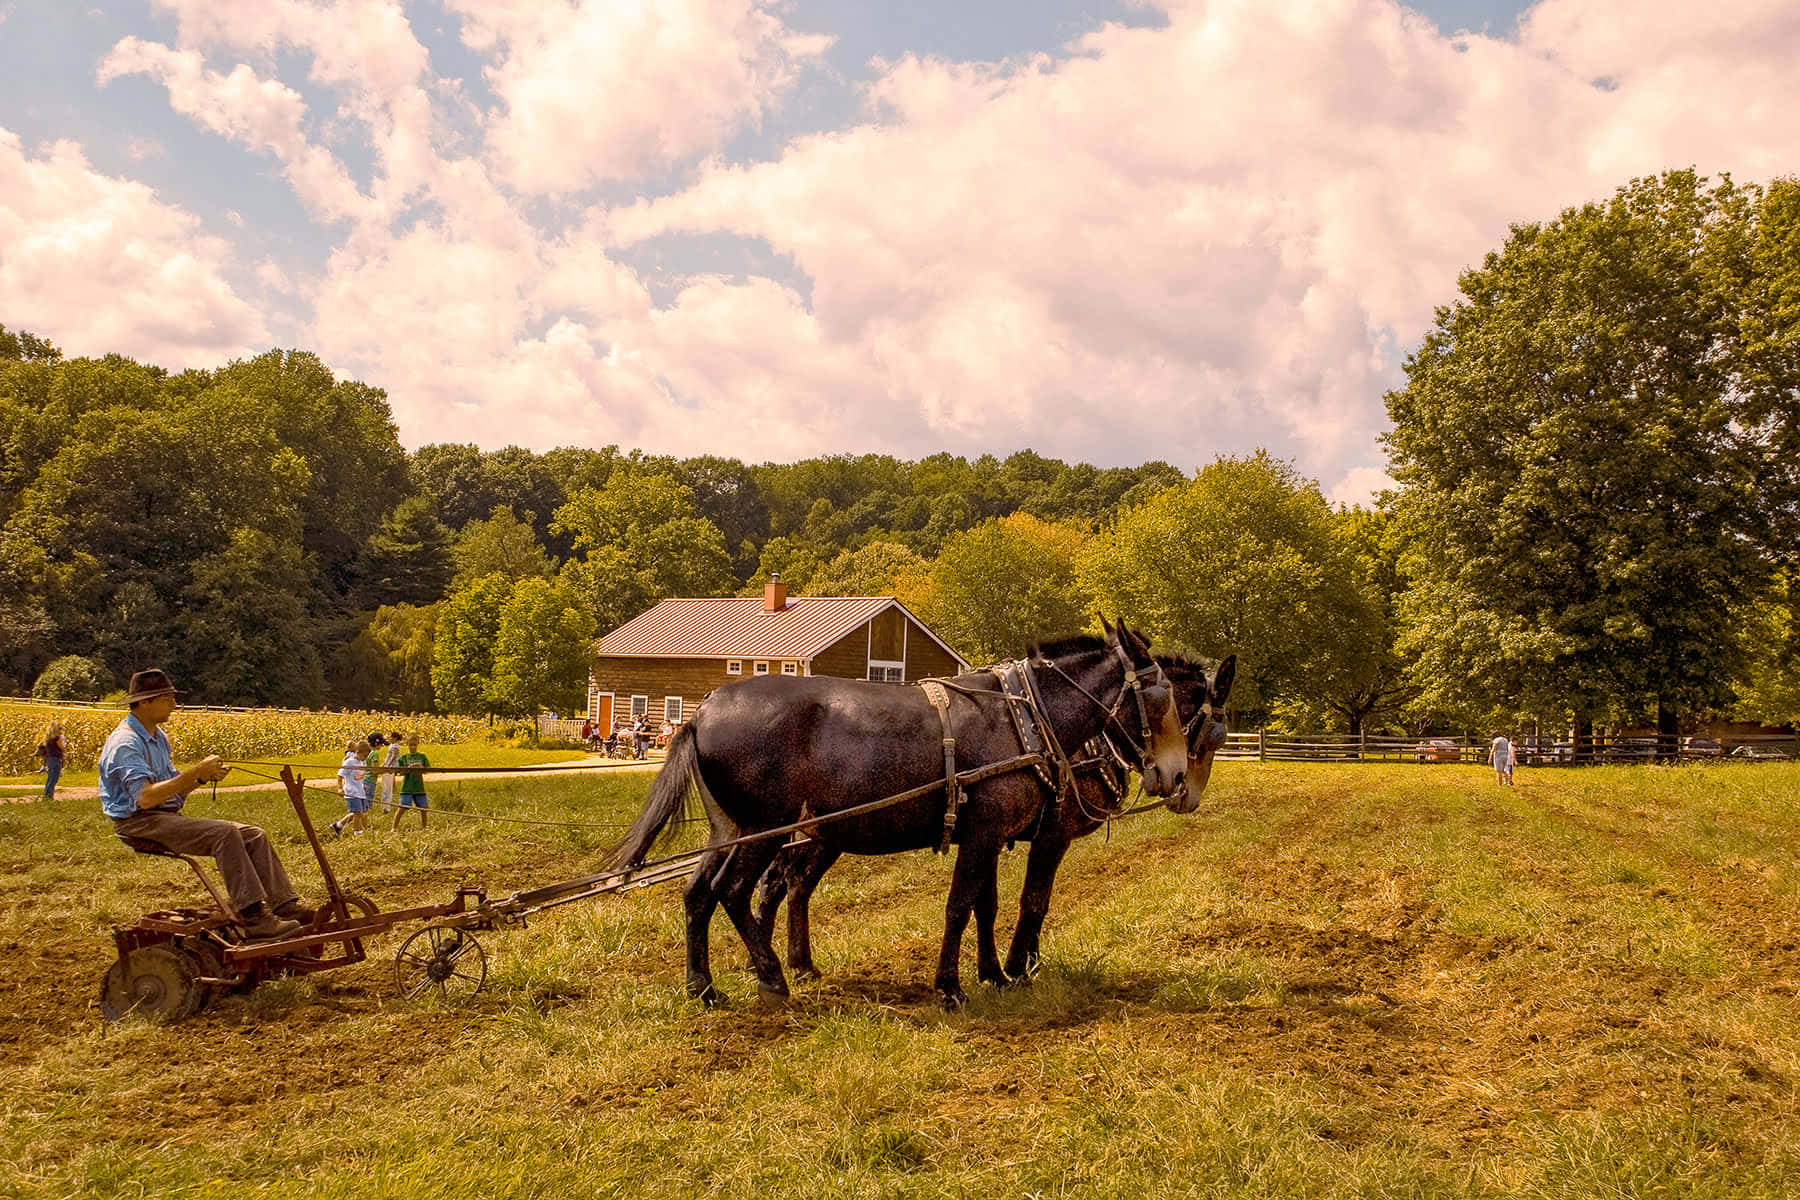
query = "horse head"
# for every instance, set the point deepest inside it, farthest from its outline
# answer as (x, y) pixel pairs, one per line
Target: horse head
(1200, 705)
(1148, 711)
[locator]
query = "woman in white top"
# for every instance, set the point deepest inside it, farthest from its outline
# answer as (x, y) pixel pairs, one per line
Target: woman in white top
(1500, 754)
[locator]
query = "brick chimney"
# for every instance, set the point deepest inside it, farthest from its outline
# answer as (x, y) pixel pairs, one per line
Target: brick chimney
(774, 594)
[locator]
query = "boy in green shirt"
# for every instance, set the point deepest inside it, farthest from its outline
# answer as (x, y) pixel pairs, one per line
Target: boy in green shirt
(412, 782)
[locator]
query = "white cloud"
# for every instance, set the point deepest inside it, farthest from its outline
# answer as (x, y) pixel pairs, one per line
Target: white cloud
(596, 91)
(99, 264)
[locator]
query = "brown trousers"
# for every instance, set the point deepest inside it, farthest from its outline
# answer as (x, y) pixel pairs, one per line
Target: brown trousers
(245, 857)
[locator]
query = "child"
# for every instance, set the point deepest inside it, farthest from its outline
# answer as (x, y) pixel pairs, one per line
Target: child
(353, 785)
(53, 749)
(385, 780)
(412, 781)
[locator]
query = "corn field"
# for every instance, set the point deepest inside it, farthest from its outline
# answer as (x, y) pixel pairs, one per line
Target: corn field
(195, 733)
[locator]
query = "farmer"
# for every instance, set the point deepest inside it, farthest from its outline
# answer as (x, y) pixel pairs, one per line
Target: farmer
(142, 792)
(1500, 754)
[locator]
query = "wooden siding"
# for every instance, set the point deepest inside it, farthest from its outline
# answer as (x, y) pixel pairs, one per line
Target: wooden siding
(847, 657)
(925, 658)
(689, 678)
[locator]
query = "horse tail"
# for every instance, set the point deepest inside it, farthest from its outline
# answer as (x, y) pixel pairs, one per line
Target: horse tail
(677, 786)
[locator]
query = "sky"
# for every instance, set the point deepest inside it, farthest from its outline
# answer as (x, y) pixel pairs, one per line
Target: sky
(1106, 230)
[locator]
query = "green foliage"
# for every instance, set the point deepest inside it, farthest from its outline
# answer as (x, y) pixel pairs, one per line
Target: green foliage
(542, 651)
(1241, 560)
(502, 544)
(793, 560)
(638, 540)
(73, 677)
(390, 659)
(468, 625)
(1001, 586)
(876, 569)
(1587, 478)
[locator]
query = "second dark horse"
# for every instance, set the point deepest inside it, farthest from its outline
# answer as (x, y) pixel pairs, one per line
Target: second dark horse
(770, 752)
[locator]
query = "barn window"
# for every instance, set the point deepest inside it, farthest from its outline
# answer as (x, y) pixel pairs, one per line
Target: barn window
(734, 666)
(640, 705)
(788, 668)
(672, 709)
(762, 668)
(887, 672)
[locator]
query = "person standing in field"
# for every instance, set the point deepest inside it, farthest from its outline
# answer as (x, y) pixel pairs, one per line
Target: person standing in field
(353, 786)
(385, 780)
(53, 749)
(413, 766)
(142, 792)
(1500, 754)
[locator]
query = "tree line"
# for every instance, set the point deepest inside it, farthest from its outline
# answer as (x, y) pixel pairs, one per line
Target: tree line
(1595, 518)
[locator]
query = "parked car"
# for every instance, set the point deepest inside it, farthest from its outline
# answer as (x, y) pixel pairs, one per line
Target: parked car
(1701, 747)
(1536, 749)
(1756, 753)
(1437, 750)
(1631, 749)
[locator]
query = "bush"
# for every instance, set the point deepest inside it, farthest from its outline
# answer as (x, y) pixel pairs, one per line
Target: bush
(73, 677)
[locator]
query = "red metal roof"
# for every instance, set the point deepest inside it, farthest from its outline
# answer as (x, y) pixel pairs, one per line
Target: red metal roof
(739, 628)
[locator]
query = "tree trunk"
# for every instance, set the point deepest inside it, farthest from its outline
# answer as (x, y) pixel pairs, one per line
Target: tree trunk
(1668, 733)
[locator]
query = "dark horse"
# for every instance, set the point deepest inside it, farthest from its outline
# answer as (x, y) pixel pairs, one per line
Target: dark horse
(772, 752)
(1099, 795)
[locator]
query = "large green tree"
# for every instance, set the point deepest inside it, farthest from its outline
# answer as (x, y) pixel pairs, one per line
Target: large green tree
(638, 540)
(542, 650)
(1239, 560)
(997, 588)
(1585, 472)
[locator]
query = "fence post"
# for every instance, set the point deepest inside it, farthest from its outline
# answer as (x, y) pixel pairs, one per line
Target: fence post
(1262, 754)
(1362, 743)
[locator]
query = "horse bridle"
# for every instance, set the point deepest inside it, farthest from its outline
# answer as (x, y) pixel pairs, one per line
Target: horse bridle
(1133, 684)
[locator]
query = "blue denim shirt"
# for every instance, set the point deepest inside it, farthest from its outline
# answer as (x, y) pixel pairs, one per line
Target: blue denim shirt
(132, 757)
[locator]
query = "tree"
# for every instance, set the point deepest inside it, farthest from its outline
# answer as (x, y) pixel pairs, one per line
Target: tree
(543, 650)
(73, 677)
(243, 626)
(503, 543)
(639, 540)
(462, 661)
(872, 570)
(1581, 471)
(391, 659)
(408, 560)
(794, 560)
(997, 588)
(1240, 560)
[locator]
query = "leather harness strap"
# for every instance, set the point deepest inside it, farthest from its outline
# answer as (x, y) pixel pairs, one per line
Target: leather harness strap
(940, 700)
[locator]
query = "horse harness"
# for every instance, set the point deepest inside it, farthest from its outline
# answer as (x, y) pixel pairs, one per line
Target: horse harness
(1041, 751)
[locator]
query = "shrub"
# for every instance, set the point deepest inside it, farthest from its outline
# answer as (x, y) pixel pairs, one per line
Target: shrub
(73, 677)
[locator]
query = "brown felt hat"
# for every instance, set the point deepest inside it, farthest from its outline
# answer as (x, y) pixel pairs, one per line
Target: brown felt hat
(148, 685)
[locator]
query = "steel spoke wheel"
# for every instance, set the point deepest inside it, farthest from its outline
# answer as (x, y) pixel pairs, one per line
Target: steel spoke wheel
(157, 983)
(441, 960)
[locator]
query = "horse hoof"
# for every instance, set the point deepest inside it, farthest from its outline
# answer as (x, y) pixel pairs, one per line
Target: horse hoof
(806, 971)
(1010, 982)
(771, 997)
(706, 994)
(952, 1001)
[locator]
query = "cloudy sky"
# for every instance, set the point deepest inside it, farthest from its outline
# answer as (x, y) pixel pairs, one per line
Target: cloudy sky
(1108, 230)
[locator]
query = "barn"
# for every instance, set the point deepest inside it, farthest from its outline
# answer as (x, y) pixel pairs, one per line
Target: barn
(665, 660)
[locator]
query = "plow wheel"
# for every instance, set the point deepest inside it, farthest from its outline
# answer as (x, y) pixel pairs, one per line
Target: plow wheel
(157, 983)
(441, 959)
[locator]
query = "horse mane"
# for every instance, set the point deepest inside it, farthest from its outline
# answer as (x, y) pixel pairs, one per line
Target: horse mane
(1077, 643)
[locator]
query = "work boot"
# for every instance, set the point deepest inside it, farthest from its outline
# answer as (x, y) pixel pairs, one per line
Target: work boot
(260, 924)
(293, 910)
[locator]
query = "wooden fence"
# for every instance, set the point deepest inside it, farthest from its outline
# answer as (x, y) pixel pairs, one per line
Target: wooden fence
(1268, 746)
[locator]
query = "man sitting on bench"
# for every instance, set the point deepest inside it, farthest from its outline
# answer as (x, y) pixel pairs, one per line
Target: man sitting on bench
(142, 792)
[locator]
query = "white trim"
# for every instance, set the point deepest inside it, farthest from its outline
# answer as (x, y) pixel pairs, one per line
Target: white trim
(594, 706)
(734, 666)
(790, 668)
(636, 711)
(676, 719)
(760, 667)
(884, 665)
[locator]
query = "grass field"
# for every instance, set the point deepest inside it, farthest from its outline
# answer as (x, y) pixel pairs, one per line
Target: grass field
(1331, 981)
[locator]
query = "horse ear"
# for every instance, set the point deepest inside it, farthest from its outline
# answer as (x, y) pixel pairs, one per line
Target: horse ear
(1221, 683)
(1111, 633)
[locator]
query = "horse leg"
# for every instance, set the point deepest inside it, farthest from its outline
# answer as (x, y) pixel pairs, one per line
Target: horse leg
(699, 899)
(735, 891)
(987, 906)
(771, 890)
(1034, 903)
(976, 865)
(804, 872)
